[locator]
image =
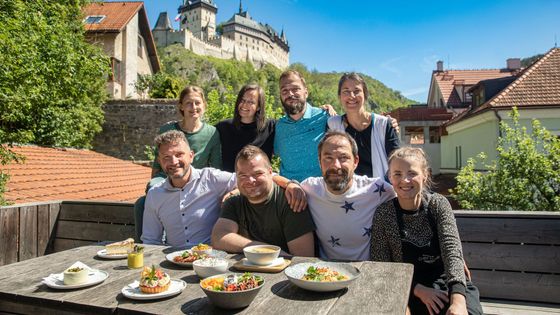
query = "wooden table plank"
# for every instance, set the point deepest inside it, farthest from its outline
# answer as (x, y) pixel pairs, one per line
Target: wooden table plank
(22, 292)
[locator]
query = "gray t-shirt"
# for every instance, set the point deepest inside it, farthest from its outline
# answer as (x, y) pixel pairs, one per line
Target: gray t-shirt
(271, 222)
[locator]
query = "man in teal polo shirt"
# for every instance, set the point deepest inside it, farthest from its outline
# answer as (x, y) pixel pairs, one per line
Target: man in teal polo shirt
(299, 131)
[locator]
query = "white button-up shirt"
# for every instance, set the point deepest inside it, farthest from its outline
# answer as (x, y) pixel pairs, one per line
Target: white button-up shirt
(187, 214)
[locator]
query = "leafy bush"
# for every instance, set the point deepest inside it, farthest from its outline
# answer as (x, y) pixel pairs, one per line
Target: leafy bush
(52, 83)
(525, 175)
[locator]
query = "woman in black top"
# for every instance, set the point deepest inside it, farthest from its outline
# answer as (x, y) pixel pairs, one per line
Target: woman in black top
(418, 227)
(248, 126)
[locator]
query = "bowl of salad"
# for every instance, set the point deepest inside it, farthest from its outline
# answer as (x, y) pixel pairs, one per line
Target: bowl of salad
(322, 276)
(232, 290)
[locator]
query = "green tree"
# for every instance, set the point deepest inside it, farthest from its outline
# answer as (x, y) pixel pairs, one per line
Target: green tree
(525, 175)
(52, 83)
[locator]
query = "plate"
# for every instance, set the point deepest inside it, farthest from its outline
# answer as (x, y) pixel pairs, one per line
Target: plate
(215, 253)
(276, 262)
(295, 274)
(56, 281)
(132, 291)
(103, 254)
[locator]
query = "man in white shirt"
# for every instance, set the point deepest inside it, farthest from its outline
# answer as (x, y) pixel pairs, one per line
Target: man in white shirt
(342, 204)
(187, 204)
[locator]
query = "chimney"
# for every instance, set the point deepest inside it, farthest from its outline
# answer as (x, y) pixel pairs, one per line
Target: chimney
(513, 63)
(439, 66)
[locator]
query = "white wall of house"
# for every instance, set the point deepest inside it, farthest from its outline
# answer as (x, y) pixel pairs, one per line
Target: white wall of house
(467, 138)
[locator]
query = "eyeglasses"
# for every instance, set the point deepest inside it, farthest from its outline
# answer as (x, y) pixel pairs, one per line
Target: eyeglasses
(248, 102)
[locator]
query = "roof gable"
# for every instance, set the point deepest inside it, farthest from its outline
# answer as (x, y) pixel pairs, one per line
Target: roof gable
(73, 174)
(538, 85)
(449, 79)
(117, 15)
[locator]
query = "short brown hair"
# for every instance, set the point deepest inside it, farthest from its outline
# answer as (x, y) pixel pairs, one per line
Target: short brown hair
(292, 72)
(190, 89)
(342, 134)
(249, 152)
(354, 77)
(171, 136)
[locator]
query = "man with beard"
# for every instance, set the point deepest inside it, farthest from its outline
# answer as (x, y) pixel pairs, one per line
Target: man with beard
(299, 131)
(186, 205)
(342, 204)
(261, 214)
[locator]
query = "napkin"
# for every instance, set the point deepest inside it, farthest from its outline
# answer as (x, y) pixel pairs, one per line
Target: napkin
(58, 278)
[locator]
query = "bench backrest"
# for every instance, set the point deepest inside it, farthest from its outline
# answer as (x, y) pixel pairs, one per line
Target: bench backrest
(513, 255)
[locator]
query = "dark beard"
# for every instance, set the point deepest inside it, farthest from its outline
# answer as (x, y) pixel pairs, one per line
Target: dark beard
(337, 185)
(293, 109)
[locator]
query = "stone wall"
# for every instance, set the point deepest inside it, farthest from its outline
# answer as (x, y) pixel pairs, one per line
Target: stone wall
(130, 125)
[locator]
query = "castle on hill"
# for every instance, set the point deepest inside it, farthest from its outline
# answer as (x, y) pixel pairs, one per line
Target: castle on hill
(241, 37)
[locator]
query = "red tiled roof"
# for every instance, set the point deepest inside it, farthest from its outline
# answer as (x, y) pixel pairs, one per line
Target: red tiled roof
(538, 85)
(447, 80)
(117, 15)
(73, 174)
(420, 114)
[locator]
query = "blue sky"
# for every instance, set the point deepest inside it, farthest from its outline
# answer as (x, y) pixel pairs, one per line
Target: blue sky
(398, 42)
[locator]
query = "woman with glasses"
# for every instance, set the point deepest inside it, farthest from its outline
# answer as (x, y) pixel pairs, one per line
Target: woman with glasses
(248, 126)
(375, 134)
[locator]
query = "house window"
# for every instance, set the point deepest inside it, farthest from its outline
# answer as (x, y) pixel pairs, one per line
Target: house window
(115, 70)
(140, 46)
(414, 135)
(435, 136)
(94, 19)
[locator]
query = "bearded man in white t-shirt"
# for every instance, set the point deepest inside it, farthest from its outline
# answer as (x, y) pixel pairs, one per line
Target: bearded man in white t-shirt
(342, 204)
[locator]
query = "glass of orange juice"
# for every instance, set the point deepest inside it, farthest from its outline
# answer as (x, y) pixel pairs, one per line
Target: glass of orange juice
(135, 258)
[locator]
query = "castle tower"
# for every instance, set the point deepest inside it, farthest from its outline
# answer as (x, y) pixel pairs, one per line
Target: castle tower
(199, 17)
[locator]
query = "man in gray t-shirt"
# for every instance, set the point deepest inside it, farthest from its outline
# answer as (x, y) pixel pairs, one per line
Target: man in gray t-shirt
(261, 214)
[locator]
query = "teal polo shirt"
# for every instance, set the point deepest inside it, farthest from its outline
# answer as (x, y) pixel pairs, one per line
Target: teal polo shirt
(295, 142)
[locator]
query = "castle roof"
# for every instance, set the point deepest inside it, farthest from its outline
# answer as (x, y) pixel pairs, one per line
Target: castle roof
(163, 23)
(245, 19)
(73, 174)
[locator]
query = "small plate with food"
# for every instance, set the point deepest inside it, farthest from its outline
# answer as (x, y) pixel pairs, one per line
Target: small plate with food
(76, 276)
(117, 250)
(322, 276)
(154, 284)
(232, 290)
(185, 258)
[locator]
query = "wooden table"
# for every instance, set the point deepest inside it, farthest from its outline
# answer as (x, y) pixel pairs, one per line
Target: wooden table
(382, 288)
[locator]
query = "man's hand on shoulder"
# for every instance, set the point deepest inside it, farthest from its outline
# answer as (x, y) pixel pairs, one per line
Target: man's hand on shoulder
(394, 123)
(230, 194)
(297, 199)
(330, 109)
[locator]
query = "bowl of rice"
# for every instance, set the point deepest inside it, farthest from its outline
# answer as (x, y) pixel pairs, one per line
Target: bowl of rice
(208, 267)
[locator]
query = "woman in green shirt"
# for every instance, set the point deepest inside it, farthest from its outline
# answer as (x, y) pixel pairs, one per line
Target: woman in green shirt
(203, 138)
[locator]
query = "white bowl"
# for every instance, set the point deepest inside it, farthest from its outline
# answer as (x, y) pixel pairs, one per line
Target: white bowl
(202, 251)
(255, 254)
(295, 274)
(208, 267)
(231, 299)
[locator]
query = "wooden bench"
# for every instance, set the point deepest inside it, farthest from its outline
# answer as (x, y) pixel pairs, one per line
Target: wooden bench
(513, 255)
(85, 223)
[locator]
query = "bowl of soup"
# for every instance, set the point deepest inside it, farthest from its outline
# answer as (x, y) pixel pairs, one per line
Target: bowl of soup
(261, 255)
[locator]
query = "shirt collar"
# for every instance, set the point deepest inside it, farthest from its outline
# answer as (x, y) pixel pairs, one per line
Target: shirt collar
(306, 115)
(195, 174)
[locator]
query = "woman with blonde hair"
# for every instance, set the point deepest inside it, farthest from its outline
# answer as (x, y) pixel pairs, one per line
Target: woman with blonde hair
(418, 227)
(203, 138)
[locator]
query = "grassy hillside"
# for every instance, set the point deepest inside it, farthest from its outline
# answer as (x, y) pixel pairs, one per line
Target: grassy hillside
(227, 76)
